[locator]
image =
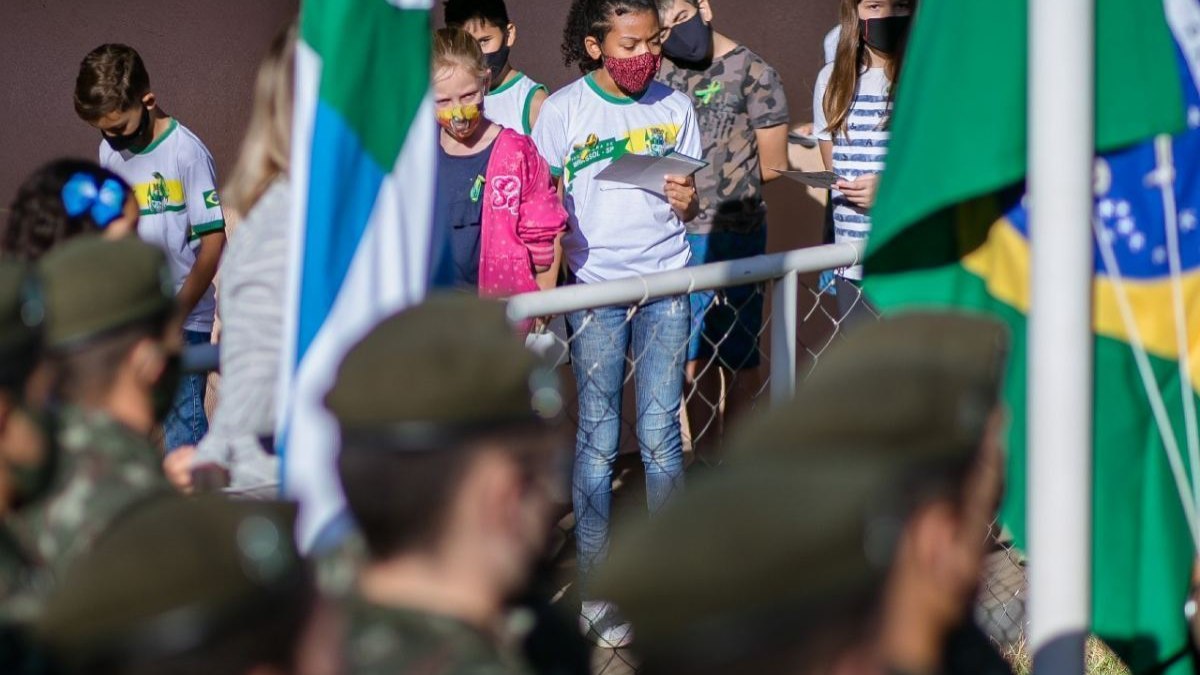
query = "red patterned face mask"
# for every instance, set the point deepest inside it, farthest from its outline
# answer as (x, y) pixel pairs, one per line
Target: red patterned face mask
(635, 73)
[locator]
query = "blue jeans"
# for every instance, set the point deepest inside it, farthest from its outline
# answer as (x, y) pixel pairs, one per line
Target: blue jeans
(187, 422)
(656, 338)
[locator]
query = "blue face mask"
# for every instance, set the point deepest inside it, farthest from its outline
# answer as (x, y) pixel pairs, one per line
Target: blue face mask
(104, 202)
(690, 41)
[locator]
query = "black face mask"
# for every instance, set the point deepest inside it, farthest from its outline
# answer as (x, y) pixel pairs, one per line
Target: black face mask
(885, 35)
(132, 140)
(168, 385)
(496, 61)
(690, 41)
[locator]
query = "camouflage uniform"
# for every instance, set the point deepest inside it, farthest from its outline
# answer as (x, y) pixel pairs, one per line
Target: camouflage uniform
(17, 589)
(388, 641)
(736, 95)
(104, 468)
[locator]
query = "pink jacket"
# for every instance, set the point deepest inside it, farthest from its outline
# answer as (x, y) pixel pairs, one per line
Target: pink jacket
(522, 216)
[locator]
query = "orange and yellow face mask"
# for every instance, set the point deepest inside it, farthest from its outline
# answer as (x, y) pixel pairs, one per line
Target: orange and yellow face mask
(460, 121)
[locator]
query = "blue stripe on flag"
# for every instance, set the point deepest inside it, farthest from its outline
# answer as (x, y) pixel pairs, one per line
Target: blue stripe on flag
(337, 218)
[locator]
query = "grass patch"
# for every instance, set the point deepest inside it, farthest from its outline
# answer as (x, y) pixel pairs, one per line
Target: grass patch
(1099, 659)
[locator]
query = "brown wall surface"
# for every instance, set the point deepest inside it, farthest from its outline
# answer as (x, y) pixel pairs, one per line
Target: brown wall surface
(201, 56)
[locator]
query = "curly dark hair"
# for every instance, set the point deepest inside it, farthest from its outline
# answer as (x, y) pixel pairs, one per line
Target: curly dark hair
(38, 220)
(594, 18)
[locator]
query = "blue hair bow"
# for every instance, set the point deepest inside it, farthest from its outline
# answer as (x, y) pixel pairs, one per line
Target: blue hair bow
(104, 202)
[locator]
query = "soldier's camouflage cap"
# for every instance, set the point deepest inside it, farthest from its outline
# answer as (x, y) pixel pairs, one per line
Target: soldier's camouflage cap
(171, 575)
(918, 387)
(22, 316)
(750, 559)
(93, 286)
(450, 365)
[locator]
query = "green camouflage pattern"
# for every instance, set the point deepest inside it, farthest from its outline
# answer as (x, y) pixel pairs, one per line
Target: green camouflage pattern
(735, 96)
(104, 468)
(387, 641)
(19, 597)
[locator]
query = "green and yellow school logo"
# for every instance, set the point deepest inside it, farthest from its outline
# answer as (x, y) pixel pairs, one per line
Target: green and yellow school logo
(158, 193)
(211, 200)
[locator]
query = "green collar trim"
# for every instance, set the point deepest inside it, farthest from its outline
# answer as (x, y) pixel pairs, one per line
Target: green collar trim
(507, 85)
(158, 141)
(617, 100)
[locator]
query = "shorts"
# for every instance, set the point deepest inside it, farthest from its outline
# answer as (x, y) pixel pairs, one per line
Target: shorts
(727, 322)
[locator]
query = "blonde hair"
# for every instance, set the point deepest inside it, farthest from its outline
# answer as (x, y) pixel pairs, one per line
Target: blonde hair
(456, 48)
(266, 149)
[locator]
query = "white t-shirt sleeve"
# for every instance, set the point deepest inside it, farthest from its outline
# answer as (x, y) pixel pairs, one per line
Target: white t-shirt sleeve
(200, 192)
(550, 136)
(831, 43)
(820, 123)
(688, 142)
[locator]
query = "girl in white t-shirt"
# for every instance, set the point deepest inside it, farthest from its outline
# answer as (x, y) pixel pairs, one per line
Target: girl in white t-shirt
(617, 231)
(851, 106)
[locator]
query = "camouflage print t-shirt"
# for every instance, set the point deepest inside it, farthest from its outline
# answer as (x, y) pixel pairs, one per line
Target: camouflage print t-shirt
(103, 469)
(735, 96)
(387, 641)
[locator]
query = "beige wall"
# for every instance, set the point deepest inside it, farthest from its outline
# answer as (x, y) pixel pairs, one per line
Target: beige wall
(202, 56)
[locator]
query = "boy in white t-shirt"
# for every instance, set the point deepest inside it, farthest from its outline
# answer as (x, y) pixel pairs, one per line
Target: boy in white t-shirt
(617, 231)
(175, 183)
(514, 100)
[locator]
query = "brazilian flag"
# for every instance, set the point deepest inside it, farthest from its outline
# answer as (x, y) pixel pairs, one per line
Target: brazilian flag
(951, 230)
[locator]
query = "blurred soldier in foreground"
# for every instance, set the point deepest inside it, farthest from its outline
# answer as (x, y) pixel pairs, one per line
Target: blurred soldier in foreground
(759, 570)
(184, 587)
(890, 455)
(450, 466)
(26, 462)
(922, 393)
(111, 337)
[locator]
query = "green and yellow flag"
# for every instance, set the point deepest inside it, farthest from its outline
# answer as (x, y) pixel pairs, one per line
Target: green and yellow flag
(950, 230)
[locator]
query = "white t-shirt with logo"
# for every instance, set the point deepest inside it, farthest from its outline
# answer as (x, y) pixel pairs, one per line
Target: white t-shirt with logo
(510, 104)
(860, 151)
(615, 230)
(176, 187)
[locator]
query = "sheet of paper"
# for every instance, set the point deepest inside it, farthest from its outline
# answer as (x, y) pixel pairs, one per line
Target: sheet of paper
(824, 180)
(649, 173)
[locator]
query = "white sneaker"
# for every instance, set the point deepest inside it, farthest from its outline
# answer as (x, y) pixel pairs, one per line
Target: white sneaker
(602, 624)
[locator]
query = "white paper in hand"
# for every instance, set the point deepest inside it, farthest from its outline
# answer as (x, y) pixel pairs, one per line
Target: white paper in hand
(649, 173)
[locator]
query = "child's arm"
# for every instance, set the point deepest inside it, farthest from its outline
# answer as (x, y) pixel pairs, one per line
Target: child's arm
(766, 103)
(772, 151)
(204, 270)
(536, 100)
(541, 216)
(206, 220)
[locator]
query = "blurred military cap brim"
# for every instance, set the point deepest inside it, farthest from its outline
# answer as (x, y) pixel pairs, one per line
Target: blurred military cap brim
(171, 573)
(918, 387)
(747, 553)
(453, 361)
(93, 286)
(21, 313)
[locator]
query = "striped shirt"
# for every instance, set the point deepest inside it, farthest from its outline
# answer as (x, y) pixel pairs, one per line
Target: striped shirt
(860, 151)
(253, 278)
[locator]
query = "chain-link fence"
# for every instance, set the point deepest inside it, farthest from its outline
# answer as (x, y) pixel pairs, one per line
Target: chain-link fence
(657, 374)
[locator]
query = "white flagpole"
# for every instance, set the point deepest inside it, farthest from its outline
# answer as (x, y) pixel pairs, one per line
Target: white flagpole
(1061, 152)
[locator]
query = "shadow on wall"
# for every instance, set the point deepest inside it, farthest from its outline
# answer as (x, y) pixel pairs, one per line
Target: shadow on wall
(201, 56)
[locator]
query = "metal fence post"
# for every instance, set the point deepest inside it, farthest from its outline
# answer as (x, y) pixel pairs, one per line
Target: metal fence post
(784, 296)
